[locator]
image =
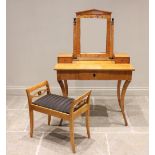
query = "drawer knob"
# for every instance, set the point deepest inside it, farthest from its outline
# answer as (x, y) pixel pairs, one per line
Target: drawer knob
(94, 75)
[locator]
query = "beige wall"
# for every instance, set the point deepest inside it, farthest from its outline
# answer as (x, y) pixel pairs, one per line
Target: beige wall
(37, 30)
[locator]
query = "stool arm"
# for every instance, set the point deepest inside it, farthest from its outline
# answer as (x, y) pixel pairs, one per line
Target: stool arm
(79, 99)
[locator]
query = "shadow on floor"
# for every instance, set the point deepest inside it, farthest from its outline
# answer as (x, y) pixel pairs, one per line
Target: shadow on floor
(62, 137)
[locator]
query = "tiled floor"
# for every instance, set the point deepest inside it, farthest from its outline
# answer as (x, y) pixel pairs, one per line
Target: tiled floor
(109, 136)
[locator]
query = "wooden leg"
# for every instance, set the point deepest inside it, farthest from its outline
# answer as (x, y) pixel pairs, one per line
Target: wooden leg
(118, 92)
(71, 125)
(49, 119)
(31, 122)
(60, 124)
(64, 89)
(126, 83)
(88, 122)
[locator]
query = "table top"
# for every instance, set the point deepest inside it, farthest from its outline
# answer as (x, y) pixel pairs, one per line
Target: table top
(94, 65)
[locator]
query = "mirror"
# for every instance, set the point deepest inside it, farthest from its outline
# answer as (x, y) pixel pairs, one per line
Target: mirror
(93, 35)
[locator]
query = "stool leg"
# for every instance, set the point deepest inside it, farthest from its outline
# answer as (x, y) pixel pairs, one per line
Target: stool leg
(88, 122)
(31, 122)
(71, 125)
(60, 124)
(49, 119)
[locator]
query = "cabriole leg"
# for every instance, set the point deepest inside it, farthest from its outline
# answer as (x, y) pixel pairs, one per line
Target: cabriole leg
(119, 92)
(126, 83)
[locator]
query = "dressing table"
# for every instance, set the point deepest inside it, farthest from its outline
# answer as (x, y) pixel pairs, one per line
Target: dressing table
(106, 65)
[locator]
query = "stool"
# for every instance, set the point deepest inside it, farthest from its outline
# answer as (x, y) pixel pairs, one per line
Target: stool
(62, 107)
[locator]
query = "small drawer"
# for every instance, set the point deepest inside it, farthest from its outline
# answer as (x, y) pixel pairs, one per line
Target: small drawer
(64, 59)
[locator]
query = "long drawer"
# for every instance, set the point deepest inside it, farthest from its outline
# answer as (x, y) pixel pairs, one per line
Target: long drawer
(94, 75)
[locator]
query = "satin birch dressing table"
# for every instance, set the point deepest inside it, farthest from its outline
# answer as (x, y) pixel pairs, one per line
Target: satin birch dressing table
(105, 65)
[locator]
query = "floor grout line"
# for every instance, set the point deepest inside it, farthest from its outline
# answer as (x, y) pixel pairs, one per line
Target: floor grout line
(12, 131)
(25, 105)
(40, 141)
(108, 146)
(105, 132)
(17, 109)
(27, 123)
(92, 104)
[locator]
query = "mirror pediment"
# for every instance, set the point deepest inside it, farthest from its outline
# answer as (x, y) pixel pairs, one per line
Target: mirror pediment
(92, 12)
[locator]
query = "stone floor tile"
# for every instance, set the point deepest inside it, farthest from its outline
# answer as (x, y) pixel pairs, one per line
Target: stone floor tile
(138, 103)
(19, 143)
(16, 120)
(112, 129)
(99, 122)
(140, 129)
(16, 102)
(128, 144)
(116, 119)
(138, 118)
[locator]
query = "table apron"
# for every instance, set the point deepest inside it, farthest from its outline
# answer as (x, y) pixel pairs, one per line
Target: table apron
(94, 75)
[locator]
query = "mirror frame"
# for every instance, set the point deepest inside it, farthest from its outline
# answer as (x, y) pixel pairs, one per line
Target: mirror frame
(109, 34)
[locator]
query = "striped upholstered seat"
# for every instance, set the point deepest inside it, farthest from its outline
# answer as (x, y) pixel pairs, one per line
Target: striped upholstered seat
(55, 102)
